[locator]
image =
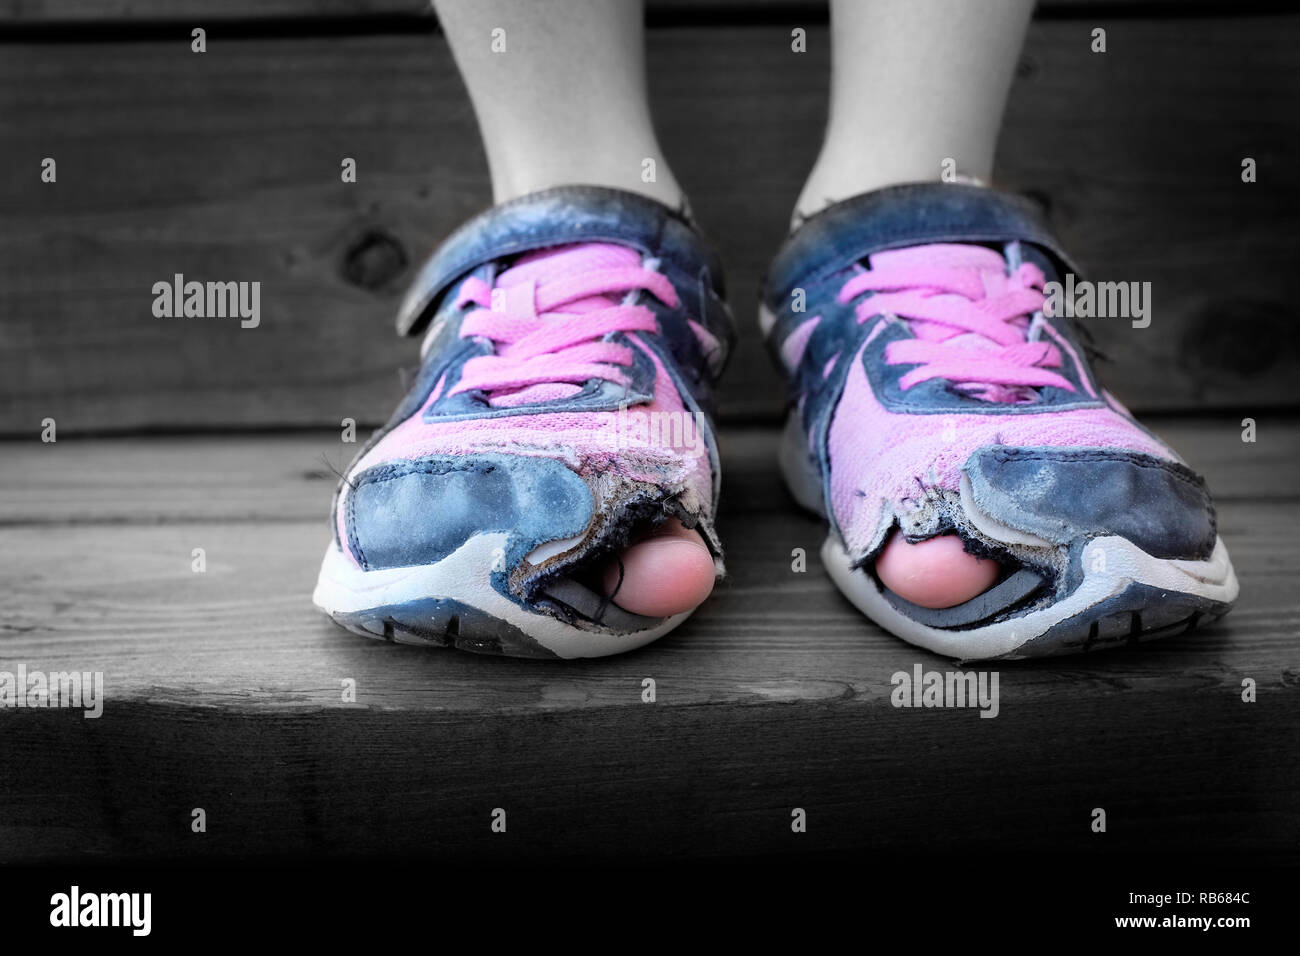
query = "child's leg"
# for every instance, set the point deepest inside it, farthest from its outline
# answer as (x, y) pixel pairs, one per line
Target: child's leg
(559, 92)
(913, 82)
(564, 99)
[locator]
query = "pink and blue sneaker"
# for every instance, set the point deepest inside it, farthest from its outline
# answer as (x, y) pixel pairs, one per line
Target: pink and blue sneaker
(572, 339)
(934, 395)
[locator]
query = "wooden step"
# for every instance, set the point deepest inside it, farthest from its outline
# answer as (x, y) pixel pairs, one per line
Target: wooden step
(129, 12)
(223, 690)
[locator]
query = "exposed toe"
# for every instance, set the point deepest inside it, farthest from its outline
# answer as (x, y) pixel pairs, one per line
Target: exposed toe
(935, 573)
(667, 573)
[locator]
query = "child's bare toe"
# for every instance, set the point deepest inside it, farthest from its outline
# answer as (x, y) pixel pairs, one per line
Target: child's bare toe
(669, 572)
(935, 573)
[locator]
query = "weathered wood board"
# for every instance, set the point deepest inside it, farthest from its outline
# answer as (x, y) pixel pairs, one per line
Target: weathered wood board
(225, 166)
(222, 690)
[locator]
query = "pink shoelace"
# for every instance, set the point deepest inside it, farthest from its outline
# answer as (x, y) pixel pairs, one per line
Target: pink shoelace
(969, 317)
(550, 315)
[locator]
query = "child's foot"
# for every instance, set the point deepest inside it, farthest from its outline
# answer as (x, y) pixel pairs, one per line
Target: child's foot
(986, 497)
(548, 486)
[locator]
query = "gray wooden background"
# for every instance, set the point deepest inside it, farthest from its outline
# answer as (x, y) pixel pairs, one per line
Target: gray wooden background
(226, 166)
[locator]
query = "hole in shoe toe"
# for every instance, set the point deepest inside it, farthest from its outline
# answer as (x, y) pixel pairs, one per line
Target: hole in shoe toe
(936, 573)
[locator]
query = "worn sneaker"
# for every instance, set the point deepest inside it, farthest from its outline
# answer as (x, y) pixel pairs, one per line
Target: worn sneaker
(933, 395)
(572, 341)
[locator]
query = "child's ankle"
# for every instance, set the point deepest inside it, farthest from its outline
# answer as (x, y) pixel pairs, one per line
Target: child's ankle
(834, 179)
(652, 179)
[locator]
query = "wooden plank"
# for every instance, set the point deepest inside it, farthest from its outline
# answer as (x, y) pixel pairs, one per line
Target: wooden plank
(226, 167)
(222, 691)
(258, 506)
(201, 12)
(215, 11)
(290, 477)
(647, 782)
(124, 600)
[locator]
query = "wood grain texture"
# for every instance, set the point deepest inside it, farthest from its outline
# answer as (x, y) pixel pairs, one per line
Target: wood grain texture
(651, 783)
(154, 11)
(243, 634)
(223, 692)
(226, 166)
(291, 476)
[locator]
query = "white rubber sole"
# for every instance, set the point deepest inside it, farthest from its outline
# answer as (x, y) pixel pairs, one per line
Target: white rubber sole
(400, 604)
(1187, 586)
(1095, 614)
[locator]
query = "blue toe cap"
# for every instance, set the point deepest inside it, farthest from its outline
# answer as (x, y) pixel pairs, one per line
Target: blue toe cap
(1063, 494)
(418, 512)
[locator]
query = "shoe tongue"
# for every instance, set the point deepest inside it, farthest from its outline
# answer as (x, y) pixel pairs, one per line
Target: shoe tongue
(943, 255)
(993, 270)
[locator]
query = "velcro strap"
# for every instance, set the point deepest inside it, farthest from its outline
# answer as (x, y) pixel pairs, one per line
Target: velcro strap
(900, 216)
(554, 217)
